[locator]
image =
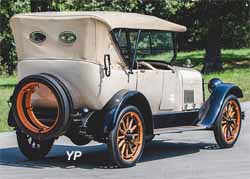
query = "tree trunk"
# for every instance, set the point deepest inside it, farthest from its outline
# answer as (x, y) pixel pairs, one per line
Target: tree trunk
(40, 5)
(213, 46)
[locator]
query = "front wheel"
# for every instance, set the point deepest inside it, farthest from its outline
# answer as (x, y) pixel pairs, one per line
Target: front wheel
(126, 140)
(32, 148)
(228, 124)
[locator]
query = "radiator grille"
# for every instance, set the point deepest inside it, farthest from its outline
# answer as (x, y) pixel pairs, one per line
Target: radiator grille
(188, 96)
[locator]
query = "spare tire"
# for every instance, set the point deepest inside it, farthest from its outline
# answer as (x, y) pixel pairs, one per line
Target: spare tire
(41, 106)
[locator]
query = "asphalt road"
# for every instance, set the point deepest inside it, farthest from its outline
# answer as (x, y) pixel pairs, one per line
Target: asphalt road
(185, 155)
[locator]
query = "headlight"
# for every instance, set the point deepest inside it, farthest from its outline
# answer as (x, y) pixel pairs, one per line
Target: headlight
(213, 83)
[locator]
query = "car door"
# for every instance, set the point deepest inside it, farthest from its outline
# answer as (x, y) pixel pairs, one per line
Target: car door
(150, 84)
(171, 93)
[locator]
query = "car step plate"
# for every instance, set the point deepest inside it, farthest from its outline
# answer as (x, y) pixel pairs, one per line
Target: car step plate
(177, 129)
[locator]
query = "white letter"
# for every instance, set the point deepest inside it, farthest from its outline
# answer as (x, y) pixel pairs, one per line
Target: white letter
(77, 154)
(69, 154)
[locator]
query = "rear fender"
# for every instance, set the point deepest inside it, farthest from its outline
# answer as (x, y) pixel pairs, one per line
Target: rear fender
(121, 99)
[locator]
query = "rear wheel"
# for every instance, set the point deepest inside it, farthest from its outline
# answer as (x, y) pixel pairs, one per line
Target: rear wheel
(126, 140)
(228, 125)
(33, 149)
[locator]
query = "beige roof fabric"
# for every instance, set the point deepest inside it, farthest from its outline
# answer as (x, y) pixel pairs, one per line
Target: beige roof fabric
(113, 19)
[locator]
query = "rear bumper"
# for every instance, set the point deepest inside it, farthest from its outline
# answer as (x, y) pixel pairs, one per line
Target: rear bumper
(243, 115)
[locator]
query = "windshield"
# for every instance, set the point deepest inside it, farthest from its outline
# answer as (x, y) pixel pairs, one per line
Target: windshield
(150, 45)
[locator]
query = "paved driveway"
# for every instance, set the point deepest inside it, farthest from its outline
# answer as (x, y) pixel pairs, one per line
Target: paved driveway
(185, 155)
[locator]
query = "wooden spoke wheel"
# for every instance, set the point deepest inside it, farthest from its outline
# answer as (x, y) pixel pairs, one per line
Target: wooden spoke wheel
(228, 125)
(25, 108)
(230, 122)
(130, 136)
(126, 141)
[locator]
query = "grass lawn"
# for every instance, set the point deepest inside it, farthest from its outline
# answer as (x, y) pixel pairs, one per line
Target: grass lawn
(236, 65)
(6, 88)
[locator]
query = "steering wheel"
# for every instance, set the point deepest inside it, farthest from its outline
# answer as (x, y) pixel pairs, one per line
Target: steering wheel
(147, 65)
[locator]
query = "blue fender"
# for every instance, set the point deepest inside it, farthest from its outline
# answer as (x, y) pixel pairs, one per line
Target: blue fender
(211, 108)
(116, 104)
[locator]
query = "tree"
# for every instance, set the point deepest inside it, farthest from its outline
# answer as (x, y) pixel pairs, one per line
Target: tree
(220, 16)
(6, 39)
(40, 5)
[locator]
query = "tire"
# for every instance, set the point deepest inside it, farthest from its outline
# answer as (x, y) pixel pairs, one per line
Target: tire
(228, 124)
(31, 148)
(33, 126)
(126, 140)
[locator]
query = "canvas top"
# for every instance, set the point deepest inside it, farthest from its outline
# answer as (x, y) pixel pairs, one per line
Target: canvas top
(112, 19)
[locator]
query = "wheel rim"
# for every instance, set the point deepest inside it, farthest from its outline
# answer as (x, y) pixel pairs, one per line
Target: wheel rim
(25, 110)
(231, 121)
(130, 136)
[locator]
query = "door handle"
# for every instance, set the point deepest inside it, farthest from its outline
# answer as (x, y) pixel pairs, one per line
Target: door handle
(107, 65)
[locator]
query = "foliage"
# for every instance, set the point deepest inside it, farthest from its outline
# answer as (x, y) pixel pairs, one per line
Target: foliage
(7, 46)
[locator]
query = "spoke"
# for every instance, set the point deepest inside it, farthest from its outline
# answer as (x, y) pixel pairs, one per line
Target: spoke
(121, 143)
(225, 131)
(224, 116)
(232, 114)
(130, 123)
(137, 143)
(233, 126)
(120, 137)
(224, 122)
(33, 145)
(123, 124)
(127, 151)
(123, 149)
(121, 130)
(127, 122)
(229, 110)
(30, 141)
(230, 131)
(133, 128)
(233, 119)
(130, 148)
(225, 110)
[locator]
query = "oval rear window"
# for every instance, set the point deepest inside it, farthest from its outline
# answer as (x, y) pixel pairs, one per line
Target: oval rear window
(67, 37)
(37, 37)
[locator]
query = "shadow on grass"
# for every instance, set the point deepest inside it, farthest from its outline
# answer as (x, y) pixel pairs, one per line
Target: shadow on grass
(97, 156)
(229, 62)
(7, 85)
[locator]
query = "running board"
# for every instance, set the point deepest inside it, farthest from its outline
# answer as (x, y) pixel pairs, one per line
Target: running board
(177, 129)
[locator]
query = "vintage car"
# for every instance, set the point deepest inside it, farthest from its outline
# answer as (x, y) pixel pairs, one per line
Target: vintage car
(109, 77)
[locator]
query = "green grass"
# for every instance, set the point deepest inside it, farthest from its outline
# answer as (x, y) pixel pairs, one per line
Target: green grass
(6, 88)
(236, 64)
(236, 67)
(231, 58)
